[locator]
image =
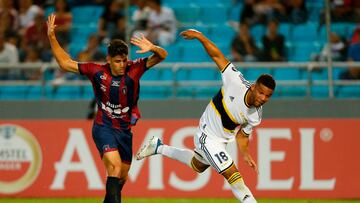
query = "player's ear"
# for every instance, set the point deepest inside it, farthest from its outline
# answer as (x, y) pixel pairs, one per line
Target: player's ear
(252, 87)
(108, 59)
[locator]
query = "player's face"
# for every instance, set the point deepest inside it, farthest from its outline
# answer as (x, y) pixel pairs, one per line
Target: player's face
(261, 94)
(118, 64)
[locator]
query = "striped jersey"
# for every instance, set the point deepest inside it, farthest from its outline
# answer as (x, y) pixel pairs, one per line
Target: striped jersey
(227, 111)
(116, 96)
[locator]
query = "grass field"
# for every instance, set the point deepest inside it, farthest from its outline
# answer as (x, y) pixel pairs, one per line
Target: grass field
(138, 200)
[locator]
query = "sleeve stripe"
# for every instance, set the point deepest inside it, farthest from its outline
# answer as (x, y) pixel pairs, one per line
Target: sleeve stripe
(79, 68)
(242, 130)
(225, 67)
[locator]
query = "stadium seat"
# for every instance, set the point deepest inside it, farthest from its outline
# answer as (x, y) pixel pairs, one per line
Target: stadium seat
(82, 14)
(352, 91)
(257, 31)
(204, 74)
(320, 92)
(222, 34)
(66, 92)
(187, 15)
(13, 92)
(287, 74)
(194, 52)
(303, 51)
(174, 53)
(155, 92)
(304, 32)
(234, 12)
(214, 15)
(290, 91)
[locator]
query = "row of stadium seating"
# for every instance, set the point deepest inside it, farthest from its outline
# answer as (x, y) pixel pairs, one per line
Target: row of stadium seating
(164, 92)
(301, 41)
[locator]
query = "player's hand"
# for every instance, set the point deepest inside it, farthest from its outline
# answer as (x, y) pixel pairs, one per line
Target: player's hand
(250, 161)
(190, 34)
(144, 44)
(51, 24)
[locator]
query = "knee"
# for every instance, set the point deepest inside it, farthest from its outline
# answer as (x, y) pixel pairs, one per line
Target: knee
(114, 169)
(198, 166)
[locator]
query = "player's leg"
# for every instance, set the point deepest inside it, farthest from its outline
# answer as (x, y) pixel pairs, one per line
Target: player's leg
(113, 165)
(221, 161)
(238, 187)
(107, 147)
(186, 156)
(124, 141)
(124, 175)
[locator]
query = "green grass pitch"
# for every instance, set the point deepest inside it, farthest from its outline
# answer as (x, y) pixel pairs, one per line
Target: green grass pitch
(153, 200)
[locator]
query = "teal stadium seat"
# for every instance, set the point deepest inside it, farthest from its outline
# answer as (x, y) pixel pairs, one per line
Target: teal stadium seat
(13, 92)
(194, 53)
(257, 31)
(303, 51)
(174, 53)
(215, 15)
(352, 91)
(66, 92)
(204, 74)
(304, 32)
(150, 92)
(222, 34)
(187, 15)
(82, 14)
(234, 12)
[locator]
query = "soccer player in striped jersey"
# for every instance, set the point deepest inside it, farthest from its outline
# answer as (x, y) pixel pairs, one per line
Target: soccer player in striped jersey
(231, 115)
(116, 89)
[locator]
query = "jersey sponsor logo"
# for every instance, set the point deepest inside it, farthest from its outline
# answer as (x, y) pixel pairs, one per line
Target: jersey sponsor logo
(115, 83)
(103, 77)
(234, 69)
(244, 119)
(114, 110)
(20, 159)
(124, 90)
(231, 98)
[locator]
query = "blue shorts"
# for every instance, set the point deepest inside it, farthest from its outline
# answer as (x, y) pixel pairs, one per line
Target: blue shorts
(109, 139)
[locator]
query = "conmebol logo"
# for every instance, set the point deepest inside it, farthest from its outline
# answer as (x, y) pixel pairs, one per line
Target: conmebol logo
(20, 159)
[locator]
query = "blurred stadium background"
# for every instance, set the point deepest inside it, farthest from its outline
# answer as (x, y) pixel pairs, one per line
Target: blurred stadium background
(315, 90)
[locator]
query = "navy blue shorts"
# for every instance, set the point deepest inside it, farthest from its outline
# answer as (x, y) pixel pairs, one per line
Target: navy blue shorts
(110, 139)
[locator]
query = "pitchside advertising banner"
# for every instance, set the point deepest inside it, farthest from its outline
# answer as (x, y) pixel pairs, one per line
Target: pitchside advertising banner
(297, 158)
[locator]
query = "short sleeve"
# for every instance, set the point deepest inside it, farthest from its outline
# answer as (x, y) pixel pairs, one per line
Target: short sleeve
(253, 122)
(138, 68)
(231, 75)
(87, 69)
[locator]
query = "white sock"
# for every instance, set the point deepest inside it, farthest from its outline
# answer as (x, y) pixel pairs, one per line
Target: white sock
(183, 155)
(240, 191)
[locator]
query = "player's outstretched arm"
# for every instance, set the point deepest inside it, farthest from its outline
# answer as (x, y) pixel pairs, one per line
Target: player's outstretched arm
(243, 143)
(213, 51)
(145, 45)
(64, 60)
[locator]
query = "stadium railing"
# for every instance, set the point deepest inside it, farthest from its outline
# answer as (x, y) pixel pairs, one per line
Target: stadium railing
(174, 84)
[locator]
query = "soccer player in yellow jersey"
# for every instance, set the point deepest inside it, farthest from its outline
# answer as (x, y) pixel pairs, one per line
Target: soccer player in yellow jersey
(231, 115)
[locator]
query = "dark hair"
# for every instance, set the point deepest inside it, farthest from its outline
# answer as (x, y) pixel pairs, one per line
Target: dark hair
(266, 80)
(117, 47)
(158, 2)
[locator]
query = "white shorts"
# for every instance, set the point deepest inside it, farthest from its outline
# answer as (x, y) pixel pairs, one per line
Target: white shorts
(210, 152)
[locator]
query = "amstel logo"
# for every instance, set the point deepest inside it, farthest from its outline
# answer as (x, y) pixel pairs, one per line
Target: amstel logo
(20, 159)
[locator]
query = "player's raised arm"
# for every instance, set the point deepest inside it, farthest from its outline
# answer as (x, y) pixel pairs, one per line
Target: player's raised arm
(213, 51)
(159, 54)
(64, 60)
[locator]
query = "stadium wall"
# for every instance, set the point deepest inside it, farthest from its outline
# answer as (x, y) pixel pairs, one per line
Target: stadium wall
(178, 109)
